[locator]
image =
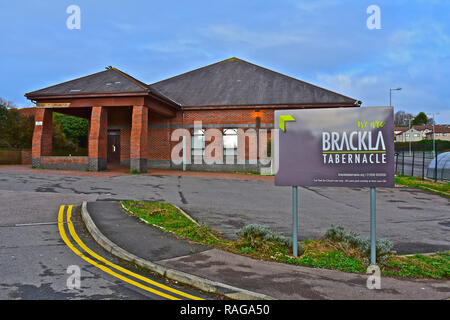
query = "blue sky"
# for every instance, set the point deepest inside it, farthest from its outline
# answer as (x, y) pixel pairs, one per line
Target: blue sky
(325, 42)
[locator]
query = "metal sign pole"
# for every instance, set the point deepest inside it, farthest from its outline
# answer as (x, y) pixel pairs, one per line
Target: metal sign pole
(373, 236)
(294, 221)
(184, 153)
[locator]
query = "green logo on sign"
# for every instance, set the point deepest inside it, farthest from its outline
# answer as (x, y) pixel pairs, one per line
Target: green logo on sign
(283, 119)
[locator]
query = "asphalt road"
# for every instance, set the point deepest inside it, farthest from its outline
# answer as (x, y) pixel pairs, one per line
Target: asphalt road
(415, 220)
(35, 260)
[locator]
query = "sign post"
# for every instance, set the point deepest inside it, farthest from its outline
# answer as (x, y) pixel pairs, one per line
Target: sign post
(373, 233)
(184, 153)
(294, 221)
(339, 147)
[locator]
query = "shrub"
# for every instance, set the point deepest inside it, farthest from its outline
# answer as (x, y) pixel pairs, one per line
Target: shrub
(255, 232)
(354, 240)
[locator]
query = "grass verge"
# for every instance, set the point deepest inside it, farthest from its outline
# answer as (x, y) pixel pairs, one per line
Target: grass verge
(441, 188)
(336, 250)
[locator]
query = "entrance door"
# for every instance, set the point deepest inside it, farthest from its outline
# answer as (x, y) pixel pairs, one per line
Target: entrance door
(114, 147)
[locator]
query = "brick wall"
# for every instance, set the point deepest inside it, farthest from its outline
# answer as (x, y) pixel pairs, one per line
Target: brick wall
(42, 135)
(125, 135)
(137, 143)
(159, 137)
(26, 157)
(69, 163)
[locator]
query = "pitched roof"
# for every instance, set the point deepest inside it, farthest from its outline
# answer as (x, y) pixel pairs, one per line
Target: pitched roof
(232, 82)
(423, 127)
(238, 82)
(402, 129)
(111, 80)
(442, 129)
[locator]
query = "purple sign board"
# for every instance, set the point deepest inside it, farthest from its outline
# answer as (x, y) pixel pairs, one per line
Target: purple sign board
(339, 147)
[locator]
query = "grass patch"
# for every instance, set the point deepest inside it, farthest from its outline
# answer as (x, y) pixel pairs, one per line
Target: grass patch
(168, 218)
(255, 173)
(441, 188)
(420, 266)
(338, 249)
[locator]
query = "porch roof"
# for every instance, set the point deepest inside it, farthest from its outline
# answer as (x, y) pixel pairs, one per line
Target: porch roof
(108, 83)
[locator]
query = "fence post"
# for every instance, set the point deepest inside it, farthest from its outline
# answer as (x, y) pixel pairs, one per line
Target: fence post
(436, 164)
(396, 162)
(412, 167)
(423, 162)
(403, 162)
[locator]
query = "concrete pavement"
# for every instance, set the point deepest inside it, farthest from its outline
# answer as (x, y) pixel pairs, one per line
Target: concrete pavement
(277, 280)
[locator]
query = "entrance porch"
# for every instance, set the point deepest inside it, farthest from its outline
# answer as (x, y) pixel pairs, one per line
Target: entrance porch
(118, 132)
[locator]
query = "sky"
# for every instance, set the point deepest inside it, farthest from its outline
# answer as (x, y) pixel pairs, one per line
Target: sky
(324, 42)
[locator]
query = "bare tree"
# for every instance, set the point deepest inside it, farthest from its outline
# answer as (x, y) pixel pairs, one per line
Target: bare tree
(401, 118)
(7, 104)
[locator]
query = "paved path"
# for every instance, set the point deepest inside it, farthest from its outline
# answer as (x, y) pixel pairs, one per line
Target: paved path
(130, 232)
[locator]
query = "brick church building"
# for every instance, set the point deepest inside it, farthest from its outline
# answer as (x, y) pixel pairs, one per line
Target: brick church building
(131, 122)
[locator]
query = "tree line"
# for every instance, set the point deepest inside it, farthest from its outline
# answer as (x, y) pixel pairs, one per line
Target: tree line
(403, 119)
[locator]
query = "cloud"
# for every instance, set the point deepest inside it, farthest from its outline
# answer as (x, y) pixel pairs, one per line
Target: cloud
(256, 39)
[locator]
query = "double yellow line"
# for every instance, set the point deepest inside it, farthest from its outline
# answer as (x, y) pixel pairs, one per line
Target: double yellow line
(112, 265)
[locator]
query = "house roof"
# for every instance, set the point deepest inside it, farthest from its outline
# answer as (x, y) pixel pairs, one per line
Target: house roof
(232, 82)
(111, 81)
(237, 82)
(401, 129)
(441, 129)
(423, 128)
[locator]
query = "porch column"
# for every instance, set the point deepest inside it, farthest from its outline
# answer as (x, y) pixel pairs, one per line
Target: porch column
(42, 136)
(139, 139)
(98, 131)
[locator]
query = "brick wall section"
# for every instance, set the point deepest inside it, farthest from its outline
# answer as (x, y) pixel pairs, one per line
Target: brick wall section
(42, 135)
(139, 133)
(65, 163)
(119, 116)
(65, 160)
(98, 133)
(159, 138)
(233, 116)
(139, 139)
(159, 145)
(26, 157)
(125, 135)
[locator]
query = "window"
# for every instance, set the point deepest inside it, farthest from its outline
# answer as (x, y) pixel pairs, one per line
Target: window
(407, 135)
(416, 135)
(230, 142)
(437, 135)
(198, 142)
(444, 134)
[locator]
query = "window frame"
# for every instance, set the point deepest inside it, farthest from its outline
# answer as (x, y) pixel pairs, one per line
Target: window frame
(195, 151)
(230, 151)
